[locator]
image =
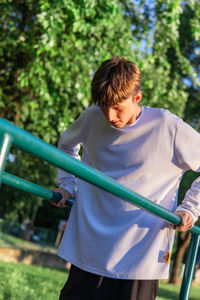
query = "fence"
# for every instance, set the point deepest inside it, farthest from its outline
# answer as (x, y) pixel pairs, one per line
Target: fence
(13, 234)
(27, 142)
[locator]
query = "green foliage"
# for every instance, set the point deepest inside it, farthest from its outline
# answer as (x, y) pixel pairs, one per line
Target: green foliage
(49, 217)
(168, 36)
(190, 46)
(48, 52)
(50, 49)
(185, 184)
(20, 205)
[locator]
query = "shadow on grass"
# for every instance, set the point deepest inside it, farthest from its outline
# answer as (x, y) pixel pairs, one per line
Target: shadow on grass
(168, 294)
(171, 295)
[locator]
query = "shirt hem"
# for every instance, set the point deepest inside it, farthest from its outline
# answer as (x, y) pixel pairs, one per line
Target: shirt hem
(93, 270)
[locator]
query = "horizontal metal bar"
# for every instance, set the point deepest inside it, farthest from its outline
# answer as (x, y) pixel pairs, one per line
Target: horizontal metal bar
(51, 154)
(33, 188)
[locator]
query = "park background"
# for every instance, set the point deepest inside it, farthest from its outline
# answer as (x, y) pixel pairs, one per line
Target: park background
(49, 51)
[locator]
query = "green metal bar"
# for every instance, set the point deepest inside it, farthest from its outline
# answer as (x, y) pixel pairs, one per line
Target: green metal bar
(33, 145)
(33, 188)
(189, 268)
(5, 148)
(51, 154)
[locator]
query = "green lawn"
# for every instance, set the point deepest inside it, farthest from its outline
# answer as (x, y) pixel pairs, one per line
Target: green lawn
(171, 292)
(24, 282)
(7, 240)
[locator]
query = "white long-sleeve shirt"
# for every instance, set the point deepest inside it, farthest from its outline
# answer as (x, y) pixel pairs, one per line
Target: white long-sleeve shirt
(107, 235)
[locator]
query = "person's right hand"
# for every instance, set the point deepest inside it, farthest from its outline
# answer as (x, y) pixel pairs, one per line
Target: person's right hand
(66, 195)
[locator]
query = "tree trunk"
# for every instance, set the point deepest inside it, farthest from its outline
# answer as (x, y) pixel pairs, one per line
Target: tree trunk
(182, 244)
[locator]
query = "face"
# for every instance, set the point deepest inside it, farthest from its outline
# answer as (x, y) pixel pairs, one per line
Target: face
(126, 112)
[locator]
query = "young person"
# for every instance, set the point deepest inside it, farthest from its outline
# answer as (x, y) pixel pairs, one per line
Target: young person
(117, 250)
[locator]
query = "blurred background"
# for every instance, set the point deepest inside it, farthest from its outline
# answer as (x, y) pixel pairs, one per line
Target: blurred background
(49, 51)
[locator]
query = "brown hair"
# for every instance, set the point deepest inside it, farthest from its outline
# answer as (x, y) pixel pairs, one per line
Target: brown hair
(116, 79)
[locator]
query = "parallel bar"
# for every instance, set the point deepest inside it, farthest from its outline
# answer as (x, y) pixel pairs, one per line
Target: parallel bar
(189, 268)
(39, 148)
(28, 186)
(33, 188)
(56, 197)
(5, 148)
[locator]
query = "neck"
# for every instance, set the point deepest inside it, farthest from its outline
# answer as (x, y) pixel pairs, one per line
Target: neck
(136, 115)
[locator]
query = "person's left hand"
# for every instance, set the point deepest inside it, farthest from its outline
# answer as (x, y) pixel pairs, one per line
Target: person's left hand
(187, 221)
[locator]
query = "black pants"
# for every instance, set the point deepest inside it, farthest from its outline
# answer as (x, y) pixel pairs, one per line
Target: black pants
(82, 285)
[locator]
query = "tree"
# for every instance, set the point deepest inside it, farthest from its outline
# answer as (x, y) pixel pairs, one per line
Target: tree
(48, 53)
(17, 205)
(50, 49)
(190, 44)
(169, 56)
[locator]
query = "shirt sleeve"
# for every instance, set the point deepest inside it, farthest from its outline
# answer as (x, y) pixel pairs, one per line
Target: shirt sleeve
(187, 151)
(70, 143)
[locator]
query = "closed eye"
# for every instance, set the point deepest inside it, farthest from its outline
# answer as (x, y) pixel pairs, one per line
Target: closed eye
(119, 109)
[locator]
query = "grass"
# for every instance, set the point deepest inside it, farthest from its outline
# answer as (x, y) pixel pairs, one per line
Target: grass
(171, 292)
(7, 240)
(25, 282)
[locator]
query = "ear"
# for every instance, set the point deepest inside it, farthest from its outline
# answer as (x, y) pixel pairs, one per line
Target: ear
(138, 97)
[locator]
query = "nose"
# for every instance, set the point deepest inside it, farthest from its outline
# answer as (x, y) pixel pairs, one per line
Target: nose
(111, 114)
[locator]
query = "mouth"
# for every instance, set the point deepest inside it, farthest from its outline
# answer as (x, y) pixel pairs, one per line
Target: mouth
(114, 122)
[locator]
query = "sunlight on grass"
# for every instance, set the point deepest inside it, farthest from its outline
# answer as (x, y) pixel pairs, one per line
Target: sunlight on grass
(22, 282)
(7, 240)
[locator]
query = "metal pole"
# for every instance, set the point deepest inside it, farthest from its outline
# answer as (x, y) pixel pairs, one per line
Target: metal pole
(4, 151)
(189, 267)
(33, 188)
(37, 147)
(31, 144)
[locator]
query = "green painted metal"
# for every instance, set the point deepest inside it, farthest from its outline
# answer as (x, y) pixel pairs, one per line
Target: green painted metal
(5, 148)
(33, 188)
(189, 268)
(39, 148)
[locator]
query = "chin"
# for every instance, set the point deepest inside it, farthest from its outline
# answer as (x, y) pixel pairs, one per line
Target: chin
(119, 125)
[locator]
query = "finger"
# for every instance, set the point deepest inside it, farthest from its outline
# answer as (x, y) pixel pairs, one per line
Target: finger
(172, 226)
(52, 203)
(184, 228)
(61, 203)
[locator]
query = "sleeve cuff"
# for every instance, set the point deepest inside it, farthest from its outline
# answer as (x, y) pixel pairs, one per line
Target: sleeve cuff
(68, 189)
(179, 208)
